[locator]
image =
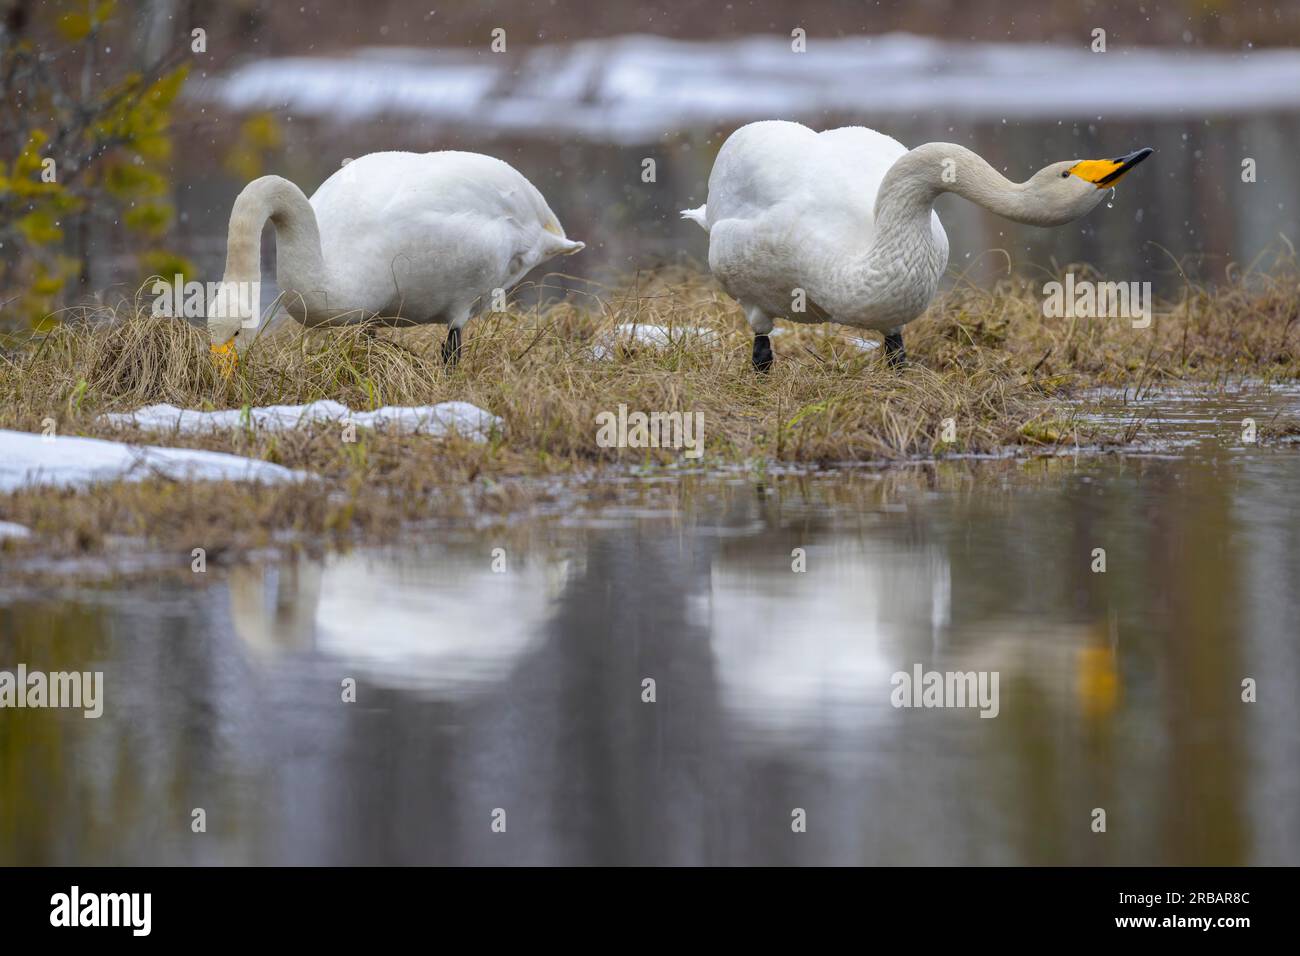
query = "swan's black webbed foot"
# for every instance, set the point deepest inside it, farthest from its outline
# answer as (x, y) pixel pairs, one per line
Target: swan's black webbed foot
(762, 353)
(451, 347)
(894, 353)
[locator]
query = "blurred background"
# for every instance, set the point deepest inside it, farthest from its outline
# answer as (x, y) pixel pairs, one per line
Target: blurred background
(156, 127)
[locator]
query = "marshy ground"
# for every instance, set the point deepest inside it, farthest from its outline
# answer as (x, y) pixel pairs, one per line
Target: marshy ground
(987, 370)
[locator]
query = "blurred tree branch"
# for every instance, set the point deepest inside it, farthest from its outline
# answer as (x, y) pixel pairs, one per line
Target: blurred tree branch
(81, 136)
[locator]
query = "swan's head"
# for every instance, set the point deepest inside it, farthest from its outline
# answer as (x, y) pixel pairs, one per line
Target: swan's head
(1062, 192)
(233, 315)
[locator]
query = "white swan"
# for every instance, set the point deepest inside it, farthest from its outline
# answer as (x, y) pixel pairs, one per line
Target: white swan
(838, 226)
(412, 238)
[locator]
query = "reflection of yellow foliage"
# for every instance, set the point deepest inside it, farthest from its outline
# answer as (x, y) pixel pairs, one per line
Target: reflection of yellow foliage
(41, 773)
(1097, 681)
(258, 135)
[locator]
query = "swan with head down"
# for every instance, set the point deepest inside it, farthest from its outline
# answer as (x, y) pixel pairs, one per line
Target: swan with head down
(839, 226)
(405, 238)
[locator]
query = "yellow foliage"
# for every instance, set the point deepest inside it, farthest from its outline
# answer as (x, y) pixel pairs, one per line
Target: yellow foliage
(37, 300)
(116, 162)
(258, 135)
(131, 180)
(40, 227)
(74, 27)
(149, 218)
(262, 130)
(167, 265)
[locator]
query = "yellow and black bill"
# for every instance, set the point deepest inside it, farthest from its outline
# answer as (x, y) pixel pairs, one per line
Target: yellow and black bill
(1104, 173)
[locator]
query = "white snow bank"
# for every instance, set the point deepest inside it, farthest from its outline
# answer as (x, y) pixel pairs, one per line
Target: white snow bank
(465, 419)
(64, 461)
(10, 530)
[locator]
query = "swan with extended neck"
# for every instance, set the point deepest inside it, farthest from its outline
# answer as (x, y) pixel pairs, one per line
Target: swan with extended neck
(405, 238)
(839, 226)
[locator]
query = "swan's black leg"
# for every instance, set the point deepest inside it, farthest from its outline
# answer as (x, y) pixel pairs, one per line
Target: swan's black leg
(762, 353)
(894, 353)
(451, 347)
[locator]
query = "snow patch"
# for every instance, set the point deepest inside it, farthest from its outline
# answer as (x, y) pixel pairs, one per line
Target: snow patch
(468, 421)
(649, 336)
(10, 530)
(68, 461)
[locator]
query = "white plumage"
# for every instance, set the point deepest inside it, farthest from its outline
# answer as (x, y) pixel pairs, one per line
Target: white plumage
(411, 238)
(840, 226)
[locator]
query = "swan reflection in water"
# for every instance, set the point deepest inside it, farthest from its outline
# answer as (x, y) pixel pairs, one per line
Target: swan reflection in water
(784, 652)
(439, 622)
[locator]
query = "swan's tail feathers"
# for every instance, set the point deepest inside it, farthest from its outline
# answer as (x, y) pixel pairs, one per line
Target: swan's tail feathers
(561, 245)
(697, 215)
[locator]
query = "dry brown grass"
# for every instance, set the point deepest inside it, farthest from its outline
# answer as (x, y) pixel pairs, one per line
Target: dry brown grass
(986, 358)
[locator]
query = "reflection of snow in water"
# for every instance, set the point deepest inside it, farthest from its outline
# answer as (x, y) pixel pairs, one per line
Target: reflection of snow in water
(632, 89)
(802, 650)
(443, 625)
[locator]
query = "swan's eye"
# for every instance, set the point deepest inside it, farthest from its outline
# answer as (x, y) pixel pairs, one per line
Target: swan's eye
(1064, 174)
(236, 335)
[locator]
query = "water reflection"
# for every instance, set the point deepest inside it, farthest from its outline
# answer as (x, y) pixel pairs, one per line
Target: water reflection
(430, 620)
(523, 690)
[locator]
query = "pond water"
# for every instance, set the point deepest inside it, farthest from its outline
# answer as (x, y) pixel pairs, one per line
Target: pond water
(509, 685)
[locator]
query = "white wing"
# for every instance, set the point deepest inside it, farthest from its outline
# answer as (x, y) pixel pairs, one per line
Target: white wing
(428, 235)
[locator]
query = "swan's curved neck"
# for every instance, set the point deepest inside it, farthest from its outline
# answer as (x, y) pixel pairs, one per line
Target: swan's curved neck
(300, 268)
(892, 279)
(918, 177)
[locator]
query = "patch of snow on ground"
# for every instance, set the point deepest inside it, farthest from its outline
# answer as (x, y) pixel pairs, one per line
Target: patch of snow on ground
(67, 461)
(465, 419)
(649, 336)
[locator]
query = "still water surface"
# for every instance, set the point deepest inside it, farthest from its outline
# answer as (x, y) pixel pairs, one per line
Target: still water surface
(523, 690)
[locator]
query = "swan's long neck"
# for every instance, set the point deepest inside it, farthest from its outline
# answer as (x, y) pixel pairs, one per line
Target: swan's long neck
(892, 279)
(300, 267)
(917, 178)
